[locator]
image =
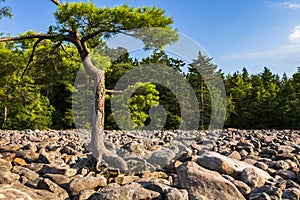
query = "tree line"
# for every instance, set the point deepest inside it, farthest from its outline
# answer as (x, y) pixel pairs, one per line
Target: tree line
(39, 96)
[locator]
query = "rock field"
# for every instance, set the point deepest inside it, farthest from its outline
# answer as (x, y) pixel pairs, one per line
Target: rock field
(173, 165)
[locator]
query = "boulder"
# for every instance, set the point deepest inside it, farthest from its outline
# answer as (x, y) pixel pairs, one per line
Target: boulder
(205, 184)
(224, 165)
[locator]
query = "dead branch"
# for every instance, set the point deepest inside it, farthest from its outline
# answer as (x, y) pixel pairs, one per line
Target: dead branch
(31, 57)
(114, 91)
(56, 2)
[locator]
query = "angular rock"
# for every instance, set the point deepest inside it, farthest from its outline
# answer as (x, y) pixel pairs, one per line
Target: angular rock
(175, 194)
(47, 157)
(162, 157)
(6, 177)
(252, 178)
(5, 165)
(83, 195)
(224, 165)
(243, 187)
(131, 191)
(261, 165)
(122, 180)
(47, 184)
(23, 171)
(267, 189)
(87, 183)
(61, 180)
(205, 184)
(291, 193)
(19, 191)
(282, 165)
(235, 155)
(286, 174)
(31, 147)
(19, 162)
(28, 155)
(56, 169)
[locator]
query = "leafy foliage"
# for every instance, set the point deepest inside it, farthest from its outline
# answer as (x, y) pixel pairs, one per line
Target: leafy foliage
(5, 11)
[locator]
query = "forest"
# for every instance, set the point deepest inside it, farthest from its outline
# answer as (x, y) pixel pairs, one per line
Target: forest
(37, 90)
(39, 96)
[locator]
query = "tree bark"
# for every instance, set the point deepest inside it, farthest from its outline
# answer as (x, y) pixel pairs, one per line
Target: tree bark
(97, 137)
(97, 145)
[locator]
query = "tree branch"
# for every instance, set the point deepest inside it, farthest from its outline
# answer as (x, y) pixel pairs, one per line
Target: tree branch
(114, 91)
(31, 56)
(87, 37)
(33, 36)
(56, 2)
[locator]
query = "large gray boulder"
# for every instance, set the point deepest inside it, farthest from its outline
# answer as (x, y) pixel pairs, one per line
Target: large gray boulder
(203, 184)
(224, 165)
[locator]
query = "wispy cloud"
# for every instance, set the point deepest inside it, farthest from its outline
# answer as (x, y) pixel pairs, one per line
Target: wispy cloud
(280, 52)
(281, 59)
(285, 4)
(295, 35)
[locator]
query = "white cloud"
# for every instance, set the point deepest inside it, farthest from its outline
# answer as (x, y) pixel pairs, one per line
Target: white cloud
(295, 35)
(279, 60)
(285, 4)
(280, 52)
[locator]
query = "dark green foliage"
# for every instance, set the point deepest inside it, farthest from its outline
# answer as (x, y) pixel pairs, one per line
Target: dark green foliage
(22, 105)
(42, 99)
(5, 11)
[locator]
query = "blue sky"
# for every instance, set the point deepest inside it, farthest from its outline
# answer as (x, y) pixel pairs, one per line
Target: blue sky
(235, 33)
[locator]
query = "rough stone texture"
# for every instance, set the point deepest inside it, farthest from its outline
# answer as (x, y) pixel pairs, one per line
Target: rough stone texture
(47, 184)
(131, 191)
(205, 184)
(255, 164)
(243, 187)
(252, 178)
(222, 164)
(19, 191)
(87, 183)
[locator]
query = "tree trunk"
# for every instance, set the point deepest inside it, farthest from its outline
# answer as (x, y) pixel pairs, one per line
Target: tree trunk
(97, 145)
(97, 138)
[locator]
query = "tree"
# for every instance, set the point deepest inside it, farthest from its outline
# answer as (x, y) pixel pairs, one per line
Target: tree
(85, 26)
(5, 11)
(22, 105)
(204, 77)
(167, 98)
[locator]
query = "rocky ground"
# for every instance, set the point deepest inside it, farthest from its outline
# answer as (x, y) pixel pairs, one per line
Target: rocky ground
(178, 165)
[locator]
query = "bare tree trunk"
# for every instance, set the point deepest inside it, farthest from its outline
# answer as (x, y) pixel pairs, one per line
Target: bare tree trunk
(202, 103)
(97, 138)
(97, 145)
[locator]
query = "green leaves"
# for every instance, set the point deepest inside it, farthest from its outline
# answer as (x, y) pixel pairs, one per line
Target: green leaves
(5, 11)
(93, 23)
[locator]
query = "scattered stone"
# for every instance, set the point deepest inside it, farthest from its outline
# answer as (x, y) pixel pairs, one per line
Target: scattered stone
(19, 162)
(255, 164)
(122, 180)
(55, 169)
(235, 155)
(243, 187)
(205, 184)
(47, 184)
(5, 165)
(291, 193)
(131, 191)
(23, 171)
(224, 165)
(252, 178)
(87, 183)
(7, 177)
(261, 165)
